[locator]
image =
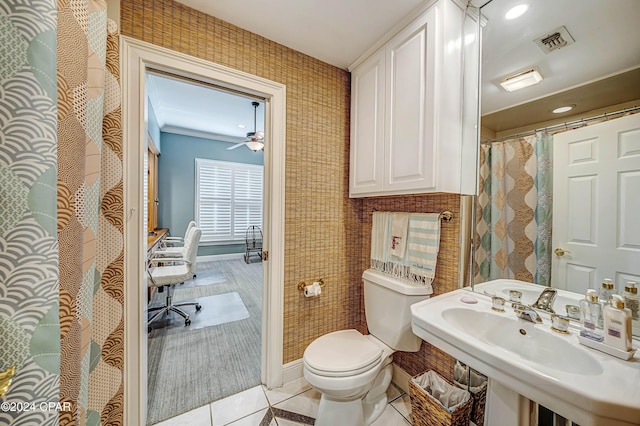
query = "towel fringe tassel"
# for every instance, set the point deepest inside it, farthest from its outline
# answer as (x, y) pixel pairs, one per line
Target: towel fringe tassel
(402, 272)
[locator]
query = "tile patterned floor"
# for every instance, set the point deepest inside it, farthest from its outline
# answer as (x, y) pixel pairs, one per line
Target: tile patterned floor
(294, 404)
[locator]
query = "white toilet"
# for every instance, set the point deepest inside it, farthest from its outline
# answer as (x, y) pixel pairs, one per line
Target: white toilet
(353, 371)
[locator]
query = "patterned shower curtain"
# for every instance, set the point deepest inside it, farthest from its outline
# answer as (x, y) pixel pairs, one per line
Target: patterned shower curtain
(514, 210)
(29, 325)
(90, 215)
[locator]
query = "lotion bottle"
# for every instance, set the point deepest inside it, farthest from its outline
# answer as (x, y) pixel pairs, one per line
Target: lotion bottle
(590, 316)
(606, 291)
(631, 300)
(617, 324)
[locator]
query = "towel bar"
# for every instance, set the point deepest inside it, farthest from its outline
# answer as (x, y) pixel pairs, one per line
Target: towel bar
(445, 215)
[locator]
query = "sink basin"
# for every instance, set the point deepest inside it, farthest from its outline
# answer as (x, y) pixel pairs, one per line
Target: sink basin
(524, 340)
(582, 384)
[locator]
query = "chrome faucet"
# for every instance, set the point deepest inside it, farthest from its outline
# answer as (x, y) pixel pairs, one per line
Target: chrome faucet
(526, 313)
(545, 300)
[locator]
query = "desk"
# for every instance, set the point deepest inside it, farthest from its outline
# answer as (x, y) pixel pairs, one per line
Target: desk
(154, 240)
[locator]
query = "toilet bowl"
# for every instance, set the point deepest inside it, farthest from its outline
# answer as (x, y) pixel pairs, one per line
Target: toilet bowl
(353, 371)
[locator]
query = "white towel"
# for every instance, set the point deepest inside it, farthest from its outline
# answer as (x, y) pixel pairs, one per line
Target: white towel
(399, 227)
(379, 239)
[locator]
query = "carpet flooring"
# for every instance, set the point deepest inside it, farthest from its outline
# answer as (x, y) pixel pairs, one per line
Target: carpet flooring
(192, 366)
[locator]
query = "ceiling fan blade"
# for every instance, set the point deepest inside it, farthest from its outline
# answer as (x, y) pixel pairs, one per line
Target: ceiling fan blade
(238, 145)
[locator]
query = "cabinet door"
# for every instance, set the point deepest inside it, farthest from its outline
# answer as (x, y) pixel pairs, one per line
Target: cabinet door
(367, 126)
(410, 142)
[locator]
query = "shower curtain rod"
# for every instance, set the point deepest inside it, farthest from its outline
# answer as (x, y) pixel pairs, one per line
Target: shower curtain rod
(567, 125)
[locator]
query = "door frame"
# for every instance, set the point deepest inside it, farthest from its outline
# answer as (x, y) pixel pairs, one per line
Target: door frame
(136, 58)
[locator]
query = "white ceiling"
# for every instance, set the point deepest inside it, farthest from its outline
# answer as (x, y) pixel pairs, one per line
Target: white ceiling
(334, 31)
(606, 33)
(183, 106)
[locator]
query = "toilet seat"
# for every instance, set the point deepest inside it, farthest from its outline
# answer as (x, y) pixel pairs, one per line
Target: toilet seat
(342, 353)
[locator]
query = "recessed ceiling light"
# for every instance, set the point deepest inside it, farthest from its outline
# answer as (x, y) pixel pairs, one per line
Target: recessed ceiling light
(521, 80)
(242, 126)
(516, 11)
(562, 109)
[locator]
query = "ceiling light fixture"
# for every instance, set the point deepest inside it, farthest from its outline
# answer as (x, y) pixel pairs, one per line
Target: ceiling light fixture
(562, 109)
(521, 80)
(255, 139)
(516, 11)
(255, 146)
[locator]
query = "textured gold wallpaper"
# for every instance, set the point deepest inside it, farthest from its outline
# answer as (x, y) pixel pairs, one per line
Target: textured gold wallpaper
(327, 235)
(321, 224)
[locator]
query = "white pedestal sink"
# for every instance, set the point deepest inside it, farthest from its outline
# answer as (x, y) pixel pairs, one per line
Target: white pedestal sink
(531, 361)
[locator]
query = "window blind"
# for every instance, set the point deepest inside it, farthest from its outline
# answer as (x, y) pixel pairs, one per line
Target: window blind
(228, 199)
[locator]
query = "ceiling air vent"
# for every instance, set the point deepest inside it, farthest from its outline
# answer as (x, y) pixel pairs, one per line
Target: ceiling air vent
(555, 39)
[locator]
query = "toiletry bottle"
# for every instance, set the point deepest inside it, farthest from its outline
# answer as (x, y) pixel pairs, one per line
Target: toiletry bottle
(631, 300)
(606, 291)
(590, 316)
(617, 324)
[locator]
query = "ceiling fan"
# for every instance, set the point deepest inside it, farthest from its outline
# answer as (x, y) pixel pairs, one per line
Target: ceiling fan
(255, 140)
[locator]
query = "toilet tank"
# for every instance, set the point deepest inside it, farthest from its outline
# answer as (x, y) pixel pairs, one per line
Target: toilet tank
(386, 303)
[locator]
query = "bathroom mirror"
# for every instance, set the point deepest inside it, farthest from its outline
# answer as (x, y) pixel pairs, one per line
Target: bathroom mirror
(586, 54)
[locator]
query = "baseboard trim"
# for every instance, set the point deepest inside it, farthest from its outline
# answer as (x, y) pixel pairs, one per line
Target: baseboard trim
(214, 257)
(401, 378)
(292, 370)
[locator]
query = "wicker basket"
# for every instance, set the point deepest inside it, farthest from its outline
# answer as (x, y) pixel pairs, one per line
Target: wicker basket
(479, 396)
(478, 390)
(428, 411)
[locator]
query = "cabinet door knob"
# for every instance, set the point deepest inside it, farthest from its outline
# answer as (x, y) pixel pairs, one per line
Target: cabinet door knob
(561, 252)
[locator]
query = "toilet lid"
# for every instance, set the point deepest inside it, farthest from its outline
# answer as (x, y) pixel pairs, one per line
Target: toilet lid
(342, 353)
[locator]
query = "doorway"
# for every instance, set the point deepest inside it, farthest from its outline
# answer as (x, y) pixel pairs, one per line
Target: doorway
(137, 58)
(206, 172)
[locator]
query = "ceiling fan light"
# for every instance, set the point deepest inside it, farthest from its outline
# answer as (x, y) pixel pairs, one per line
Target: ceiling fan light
(521, 80)
(255, 146)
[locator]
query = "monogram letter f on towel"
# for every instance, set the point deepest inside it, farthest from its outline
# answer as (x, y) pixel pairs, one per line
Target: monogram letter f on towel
(399, 228)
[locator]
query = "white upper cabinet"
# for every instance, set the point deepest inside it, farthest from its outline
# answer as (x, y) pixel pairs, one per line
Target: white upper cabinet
(406, 114)
(367, 126)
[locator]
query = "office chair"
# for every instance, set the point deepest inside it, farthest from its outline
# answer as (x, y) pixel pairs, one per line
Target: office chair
(178, 271)
(173, 241)
(177, 251)
(174, 246)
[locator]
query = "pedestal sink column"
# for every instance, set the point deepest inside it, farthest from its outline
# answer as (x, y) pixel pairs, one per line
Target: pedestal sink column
(505, 406)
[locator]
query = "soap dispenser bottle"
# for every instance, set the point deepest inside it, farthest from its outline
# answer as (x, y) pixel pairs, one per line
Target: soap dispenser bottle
(617, 324)
(590, 316)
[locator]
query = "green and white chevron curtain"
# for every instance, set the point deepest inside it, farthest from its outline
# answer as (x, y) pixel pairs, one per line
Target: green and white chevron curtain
(513, 219)
(61, 213)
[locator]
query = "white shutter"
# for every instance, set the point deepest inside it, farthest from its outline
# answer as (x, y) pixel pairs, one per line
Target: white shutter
(228, 199)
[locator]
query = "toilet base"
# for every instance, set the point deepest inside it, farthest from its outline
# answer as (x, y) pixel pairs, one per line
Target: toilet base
(332, 413)
(361, 411)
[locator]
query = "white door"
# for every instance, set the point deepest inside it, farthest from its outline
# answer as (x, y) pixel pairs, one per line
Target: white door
(596, 205)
